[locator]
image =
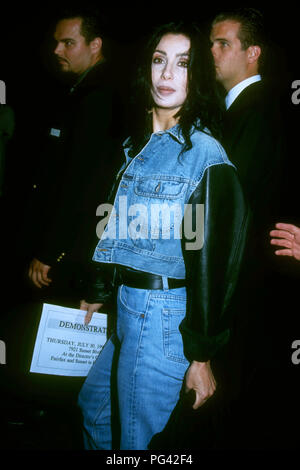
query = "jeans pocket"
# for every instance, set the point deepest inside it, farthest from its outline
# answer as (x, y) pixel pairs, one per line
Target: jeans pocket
(172, 339)
(133, 301)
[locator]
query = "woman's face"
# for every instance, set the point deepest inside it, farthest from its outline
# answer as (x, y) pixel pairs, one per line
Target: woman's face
(170, 71)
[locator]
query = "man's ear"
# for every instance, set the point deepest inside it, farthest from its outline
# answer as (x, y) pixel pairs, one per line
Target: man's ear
(253, 54)
(96, 45)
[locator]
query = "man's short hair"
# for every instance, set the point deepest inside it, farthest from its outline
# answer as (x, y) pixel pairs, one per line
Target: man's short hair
(252, 30)
(93, 24)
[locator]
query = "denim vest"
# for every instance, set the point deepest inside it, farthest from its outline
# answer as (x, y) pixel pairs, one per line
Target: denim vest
(143, 229)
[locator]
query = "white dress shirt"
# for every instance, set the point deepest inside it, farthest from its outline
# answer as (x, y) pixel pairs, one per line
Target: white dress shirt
(237, 89)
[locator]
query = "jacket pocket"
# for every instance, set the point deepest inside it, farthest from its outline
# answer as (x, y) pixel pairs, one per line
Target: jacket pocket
(160, 188)
(163, 200)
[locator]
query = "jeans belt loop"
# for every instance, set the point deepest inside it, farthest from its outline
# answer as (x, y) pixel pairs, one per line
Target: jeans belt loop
(165, 283)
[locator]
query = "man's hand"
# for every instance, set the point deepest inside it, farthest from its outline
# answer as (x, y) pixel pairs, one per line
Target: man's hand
(38, 273)
(90, 309)
(288, 237)
(199, 377)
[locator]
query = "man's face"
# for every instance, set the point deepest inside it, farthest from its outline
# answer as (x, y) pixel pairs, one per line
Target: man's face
(230, 60)
(72, 51)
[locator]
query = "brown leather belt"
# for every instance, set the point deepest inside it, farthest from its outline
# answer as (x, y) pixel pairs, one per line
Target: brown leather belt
(142, 280)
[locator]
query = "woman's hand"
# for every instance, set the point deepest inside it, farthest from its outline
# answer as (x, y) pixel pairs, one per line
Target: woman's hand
(90, 309)
(200, 378)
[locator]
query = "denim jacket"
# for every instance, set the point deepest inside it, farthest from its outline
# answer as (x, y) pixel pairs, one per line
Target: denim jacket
(143, 229)
(205, 246)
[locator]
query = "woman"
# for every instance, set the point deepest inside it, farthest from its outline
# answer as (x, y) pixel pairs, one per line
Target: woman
(174, 281)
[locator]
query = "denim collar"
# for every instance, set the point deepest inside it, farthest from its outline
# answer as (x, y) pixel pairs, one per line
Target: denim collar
(175, 132)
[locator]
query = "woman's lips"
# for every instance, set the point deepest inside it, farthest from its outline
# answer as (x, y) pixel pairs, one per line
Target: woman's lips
(165, 90)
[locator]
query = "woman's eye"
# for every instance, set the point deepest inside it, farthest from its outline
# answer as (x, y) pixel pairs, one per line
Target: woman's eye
(157, 60)
(183, 63)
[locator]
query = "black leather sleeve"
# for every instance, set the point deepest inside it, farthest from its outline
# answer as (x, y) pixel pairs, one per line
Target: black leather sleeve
(212, 271)
(99, 283)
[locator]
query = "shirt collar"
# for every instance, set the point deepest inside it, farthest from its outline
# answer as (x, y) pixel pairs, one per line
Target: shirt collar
(237, 89)
(83, 75)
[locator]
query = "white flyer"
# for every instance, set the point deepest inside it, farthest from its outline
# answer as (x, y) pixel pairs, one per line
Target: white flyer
(64, 344)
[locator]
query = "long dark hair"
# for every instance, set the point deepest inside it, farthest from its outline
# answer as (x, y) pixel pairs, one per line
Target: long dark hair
(202, 106)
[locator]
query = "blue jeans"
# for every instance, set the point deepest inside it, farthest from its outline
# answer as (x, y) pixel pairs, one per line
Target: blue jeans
(134, 385)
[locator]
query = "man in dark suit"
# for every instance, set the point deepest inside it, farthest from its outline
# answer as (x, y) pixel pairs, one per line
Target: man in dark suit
(77, 164)
(252, 128)
(75, 171)
(253, 136)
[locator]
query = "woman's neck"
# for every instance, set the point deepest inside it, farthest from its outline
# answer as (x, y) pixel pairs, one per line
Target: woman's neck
(164, 119)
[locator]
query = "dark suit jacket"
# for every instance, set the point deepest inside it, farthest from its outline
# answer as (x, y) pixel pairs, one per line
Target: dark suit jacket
(254, 139)
(76, 170)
